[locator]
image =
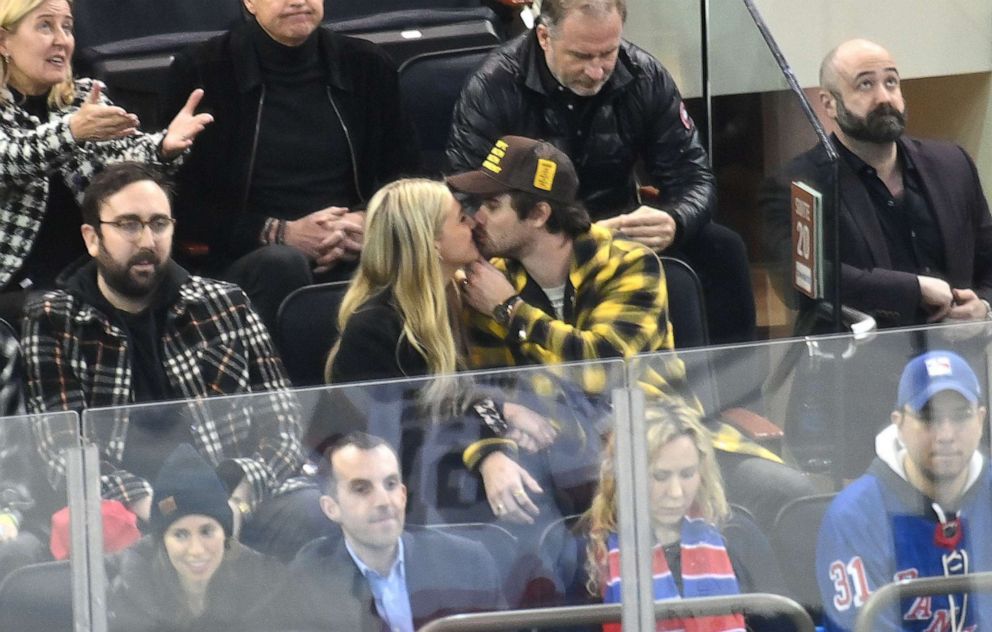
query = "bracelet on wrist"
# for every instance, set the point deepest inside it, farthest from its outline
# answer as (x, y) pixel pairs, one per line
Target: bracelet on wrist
(491, 416)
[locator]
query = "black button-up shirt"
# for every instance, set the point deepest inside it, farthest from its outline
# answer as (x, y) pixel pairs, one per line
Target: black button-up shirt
(908, 223)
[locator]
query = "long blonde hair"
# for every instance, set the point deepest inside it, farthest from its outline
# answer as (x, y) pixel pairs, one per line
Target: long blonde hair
(665, 421)
(11, 14)
(400, 256)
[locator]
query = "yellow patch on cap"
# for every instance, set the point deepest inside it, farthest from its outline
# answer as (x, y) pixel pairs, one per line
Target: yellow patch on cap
(495, 156)
(544, 175)
(167, 505)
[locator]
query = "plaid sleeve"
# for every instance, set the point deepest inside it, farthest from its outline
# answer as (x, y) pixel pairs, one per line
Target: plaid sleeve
(50, 382)
(623, 312)
(50, 368)
(278, 453)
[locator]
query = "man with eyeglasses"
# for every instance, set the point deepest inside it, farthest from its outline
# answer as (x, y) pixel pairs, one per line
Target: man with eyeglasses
(923, 509)
(129, 325)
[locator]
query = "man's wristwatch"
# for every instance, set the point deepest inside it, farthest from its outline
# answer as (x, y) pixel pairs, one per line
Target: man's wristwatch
(501, 313)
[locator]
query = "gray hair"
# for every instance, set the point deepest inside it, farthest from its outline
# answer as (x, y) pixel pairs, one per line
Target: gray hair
(554, 11)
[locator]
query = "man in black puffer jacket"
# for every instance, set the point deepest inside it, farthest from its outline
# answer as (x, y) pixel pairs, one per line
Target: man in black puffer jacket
(608, 104)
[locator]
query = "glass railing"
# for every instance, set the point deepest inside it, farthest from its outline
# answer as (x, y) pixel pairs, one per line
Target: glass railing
(44, 522)
(481, 477)
(711, 472)
(775, 179)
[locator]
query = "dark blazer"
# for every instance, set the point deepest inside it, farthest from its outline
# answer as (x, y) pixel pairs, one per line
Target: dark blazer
(445, 575)
(868, 282)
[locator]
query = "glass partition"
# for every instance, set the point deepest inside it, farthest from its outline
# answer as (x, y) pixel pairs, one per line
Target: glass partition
(796, 422)
(40, 480)
(774, 177)
(497, 468)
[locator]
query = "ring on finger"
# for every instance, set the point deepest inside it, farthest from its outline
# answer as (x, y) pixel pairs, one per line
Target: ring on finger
(499, 508)
(519, 492)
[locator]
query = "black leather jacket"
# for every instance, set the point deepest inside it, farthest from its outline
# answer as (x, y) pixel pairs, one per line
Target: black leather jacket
(639, 116)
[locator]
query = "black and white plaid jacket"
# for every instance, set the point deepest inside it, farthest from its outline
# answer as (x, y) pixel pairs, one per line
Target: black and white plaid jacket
(76, 358)
(32, 151)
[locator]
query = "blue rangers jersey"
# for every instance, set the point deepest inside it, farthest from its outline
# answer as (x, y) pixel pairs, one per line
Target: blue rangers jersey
(881, 529)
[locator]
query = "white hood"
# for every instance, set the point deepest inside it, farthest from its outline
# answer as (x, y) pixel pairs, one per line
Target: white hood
(892, 452)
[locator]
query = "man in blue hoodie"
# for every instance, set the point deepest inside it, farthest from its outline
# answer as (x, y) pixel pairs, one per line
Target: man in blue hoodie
(924, 508)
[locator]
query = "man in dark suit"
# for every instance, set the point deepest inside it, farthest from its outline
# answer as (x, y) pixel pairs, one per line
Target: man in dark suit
(915, 232)
(380, 576)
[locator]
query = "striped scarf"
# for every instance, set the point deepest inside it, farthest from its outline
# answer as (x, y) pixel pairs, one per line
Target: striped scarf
(706, 572)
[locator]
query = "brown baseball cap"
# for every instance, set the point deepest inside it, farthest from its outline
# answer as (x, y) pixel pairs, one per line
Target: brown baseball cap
(516, 163)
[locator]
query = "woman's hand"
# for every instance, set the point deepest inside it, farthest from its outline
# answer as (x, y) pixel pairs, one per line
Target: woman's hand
(530, 431)
(97, 121)
(185, 127)
(505, 483)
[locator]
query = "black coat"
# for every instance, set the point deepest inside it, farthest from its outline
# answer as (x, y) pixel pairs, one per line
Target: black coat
(145, 595)
(213, 183)
(640, 117)
(868, 282)
(373, 346)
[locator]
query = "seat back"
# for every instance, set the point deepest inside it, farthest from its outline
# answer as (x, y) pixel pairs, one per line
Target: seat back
(686, 305)
(100, 22)
(513, 570)
(37, 598)
(406, 34)
(129, 45)
(687, 314)
(348, 9)
(794, 535)
(430, 84)
(307, 328)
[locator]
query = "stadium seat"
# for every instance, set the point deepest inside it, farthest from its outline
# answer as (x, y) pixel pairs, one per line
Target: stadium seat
(348, 9)
(37, 598)
(686, 309)
(430, 84)
(793, 537)
(687, 313)
(514, 563)
(306, 329)
(406, 34)
(129, 44)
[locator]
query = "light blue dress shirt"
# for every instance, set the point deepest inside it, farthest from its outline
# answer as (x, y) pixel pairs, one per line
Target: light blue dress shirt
(392, 601)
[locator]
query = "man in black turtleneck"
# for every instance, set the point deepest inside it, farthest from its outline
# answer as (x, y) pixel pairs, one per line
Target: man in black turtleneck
(308, 126)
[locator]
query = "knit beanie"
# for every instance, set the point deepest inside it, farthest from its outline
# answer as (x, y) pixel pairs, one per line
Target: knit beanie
(186, 485)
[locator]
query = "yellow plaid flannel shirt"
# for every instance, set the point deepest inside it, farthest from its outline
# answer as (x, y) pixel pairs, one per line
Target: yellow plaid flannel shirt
(616, 307)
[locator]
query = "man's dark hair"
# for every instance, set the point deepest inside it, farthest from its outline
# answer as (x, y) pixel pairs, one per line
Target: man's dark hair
(569, 218)
(360, 440)
(114, 178)
(554, 11)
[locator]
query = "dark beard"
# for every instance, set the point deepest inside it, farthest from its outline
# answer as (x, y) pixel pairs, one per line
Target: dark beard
(120, 280)
(882, 125)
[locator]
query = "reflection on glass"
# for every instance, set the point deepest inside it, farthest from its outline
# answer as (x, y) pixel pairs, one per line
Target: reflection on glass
(412, 575)
(189, 573)
(691, 557)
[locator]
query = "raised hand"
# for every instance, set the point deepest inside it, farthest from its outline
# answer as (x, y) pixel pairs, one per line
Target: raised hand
(96, 121)
(185, 127)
